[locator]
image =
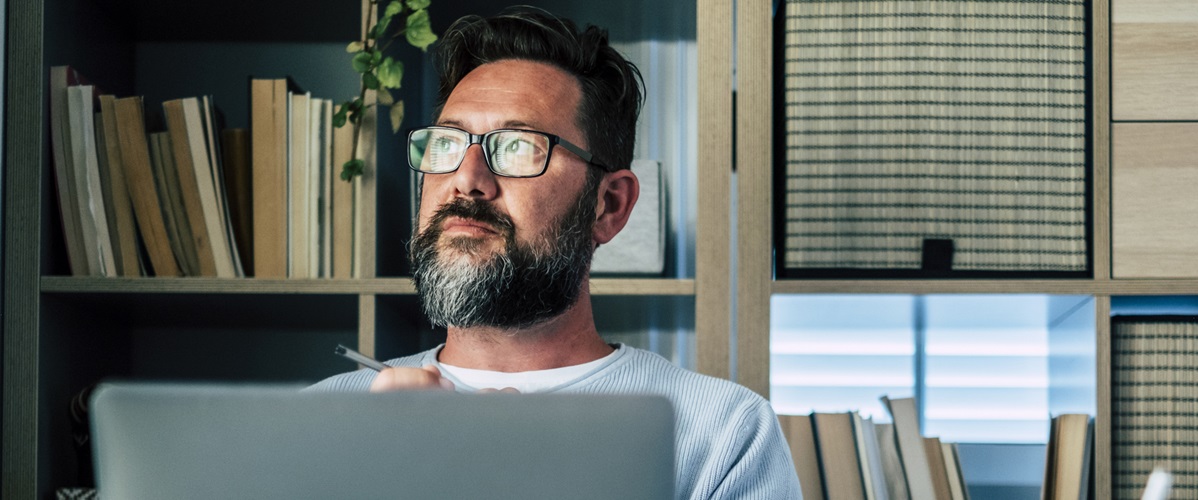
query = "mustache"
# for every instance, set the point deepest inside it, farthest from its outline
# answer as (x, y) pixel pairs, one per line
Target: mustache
(480, 211)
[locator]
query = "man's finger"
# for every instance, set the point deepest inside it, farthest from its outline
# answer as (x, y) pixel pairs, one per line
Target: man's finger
(407, 378)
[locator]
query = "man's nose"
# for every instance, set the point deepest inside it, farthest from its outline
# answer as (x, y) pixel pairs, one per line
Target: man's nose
(473, 179)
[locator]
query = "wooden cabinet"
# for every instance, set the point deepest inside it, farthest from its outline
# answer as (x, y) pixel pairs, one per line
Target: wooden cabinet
(1148, 71)
(1154, 172)
(1154, 60)
(63, 333)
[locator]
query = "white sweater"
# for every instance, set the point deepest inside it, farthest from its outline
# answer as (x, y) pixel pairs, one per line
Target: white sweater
(727, 438)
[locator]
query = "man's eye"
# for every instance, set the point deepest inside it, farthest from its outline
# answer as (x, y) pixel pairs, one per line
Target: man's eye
(518, 147)
(444, 144)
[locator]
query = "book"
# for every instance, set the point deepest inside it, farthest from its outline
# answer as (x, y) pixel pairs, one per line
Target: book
(936, 465)
(198, 116)
(195, 194)
(235, 165)
(64, 178)
(210, 121)
(343, 205)
(1046, 487)
(837, 448)
(322, 183)
(269, 149)
(365, 196)
(174, 214)
(910, 446)
(869, 456)
(143, 191)
(88, 191)
(800, 436)
(299, 184)
(119, 205)
(952, 464)
(892, 463)
(1067, 469)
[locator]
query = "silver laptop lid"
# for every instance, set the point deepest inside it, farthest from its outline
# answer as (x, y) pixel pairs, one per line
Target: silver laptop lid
(183, 441)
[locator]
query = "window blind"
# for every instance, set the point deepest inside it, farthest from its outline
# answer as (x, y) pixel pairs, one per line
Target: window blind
(979, 364)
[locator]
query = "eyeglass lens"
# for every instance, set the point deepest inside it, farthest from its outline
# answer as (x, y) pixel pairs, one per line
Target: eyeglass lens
(509, 152)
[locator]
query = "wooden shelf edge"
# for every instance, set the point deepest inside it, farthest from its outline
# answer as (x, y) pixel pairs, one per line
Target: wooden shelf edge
(642, 286)
(74, 284)
(376, 286)
(1061, 287)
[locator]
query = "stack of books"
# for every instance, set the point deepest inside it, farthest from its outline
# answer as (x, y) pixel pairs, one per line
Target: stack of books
(306, 222)
(194, 199)
(844, 456)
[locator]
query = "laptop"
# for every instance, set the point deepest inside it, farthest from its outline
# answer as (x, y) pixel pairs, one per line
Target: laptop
(204, 441)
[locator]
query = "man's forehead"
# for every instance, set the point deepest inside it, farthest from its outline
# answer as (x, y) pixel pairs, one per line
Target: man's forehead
(513, 93)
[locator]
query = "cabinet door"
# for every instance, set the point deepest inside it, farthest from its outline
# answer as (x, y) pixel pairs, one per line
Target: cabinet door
(1154, 59)
(1153, 204)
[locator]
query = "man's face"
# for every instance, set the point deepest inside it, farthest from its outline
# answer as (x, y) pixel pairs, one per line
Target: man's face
(498, 251)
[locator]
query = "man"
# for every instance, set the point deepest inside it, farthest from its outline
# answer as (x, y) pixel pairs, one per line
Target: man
(506, 233)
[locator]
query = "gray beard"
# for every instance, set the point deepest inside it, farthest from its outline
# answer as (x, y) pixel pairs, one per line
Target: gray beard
(516, 288)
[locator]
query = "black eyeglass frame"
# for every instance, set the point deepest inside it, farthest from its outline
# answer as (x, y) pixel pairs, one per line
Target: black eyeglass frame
(554, 140)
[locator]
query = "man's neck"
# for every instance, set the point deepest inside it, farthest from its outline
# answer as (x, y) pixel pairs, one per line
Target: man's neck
(566, 340)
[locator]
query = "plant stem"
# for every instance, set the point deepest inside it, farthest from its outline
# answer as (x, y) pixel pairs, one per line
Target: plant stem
(370, 23)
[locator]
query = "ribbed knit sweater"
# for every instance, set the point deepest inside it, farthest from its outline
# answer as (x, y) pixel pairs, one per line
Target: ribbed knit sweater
(728, 443)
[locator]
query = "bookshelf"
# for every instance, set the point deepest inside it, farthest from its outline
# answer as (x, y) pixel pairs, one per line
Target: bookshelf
(62, 333)
(1142, 65)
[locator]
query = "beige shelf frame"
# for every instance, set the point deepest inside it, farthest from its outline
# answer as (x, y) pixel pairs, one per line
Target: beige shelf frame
(374, 286)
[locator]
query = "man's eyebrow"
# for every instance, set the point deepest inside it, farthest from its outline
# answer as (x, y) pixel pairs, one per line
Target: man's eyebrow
(519, 124)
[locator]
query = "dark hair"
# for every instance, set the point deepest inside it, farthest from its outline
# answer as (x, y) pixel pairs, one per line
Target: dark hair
(610, 84)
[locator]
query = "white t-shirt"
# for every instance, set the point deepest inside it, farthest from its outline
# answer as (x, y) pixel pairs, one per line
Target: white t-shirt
(525, 382)
(728, 443)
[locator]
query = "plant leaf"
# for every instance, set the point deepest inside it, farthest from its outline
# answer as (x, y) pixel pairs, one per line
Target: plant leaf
(340, 116)
(390, 73)
(419, 31)
(385, 98)
(417, 4)
(396, 116)
(361, 62)
(352, 168)
(370, 81)
(354, 47)
(393, 8)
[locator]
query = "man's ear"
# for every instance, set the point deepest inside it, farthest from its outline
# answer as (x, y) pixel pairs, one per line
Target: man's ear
(618, 192)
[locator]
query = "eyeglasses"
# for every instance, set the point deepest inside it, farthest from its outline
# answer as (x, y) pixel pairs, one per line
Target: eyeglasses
(508, 152)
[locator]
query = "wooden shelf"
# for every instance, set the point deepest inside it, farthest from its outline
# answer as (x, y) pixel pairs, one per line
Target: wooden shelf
(1062, 287)
(379, 286)
(620, 286)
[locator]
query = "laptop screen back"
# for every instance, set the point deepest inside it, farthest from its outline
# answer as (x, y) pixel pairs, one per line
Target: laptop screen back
(184, 441)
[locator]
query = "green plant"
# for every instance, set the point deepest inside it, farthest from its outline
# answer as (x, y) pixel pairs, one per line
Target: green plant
(382, 73)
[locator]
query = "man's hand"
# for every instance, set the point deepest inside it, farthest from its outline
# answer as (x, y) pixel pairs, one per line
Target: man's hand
(505, 390)
(402, 378)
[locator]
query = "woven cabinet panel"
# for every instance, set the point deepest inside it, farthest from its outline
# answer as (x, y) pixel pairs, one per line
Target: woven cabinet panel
(933, 119)
(1154, 407)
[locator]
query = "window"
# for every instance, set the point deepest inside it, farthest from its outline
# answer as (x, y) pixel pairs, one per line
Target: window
(979, 365)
